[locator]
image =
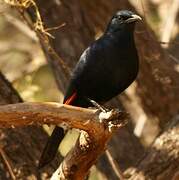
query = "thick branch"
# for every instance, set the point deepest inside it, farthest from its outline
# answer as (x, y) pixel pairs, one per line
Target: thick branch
(48, 113)
(90, 145)
(78, 161)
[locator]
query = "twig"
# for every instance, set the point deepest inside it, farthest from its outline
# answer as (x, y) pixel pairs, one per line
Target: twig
(44, 41)
(39, 28)
(56, 27)
(6, 161)
(174, 58)
(114, 165)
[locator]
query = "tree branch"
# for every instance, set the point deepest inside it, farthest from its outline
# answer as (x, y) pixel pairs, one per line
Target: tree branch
(98, 127)
(47, 113)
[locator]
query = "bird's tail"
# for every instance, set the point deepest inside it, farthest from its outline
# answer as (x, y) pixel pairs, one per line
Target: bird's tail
(51, 147)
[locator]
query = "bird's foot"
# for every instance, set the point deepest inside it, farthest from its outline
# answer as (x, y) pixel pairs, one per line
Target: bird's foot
(113, 119)
(98, 106)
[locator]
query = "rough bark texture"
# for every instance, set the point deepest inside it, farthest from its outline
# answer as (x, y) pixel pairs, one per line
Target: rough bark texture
(22, 146)
(89, 146)
(8, 95)
(161, 161)
(22, 114)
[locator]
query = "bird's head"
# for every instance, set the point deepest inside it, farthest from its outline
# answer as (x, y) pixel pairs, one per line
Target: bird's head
(123, 20)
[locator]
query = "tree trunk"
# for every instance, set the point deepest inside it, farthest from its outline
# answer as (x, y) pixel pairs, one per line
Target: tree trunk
(161, 161)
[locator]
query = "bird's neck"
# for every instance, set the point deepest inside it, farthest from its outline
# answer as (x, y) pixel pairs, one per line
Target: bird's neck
(123, 38)
(121, 34)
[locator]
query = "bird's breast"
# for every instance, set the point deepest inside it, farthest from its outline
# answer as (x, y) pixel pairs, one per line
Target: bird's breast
(106, 71)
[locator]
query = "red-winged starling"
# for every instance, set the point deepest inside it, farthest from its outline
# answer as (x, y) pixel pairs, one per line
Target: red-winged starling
(105, 69)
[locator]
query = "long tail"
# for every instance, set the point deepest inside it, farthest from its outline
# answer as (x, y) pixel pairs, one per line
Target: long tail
(51, 147)
(55, 139)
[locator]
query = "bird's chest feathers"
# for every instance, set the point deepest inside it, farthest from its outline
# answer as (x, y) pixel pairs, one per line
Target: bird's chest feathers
(108, 68)
(117, 60)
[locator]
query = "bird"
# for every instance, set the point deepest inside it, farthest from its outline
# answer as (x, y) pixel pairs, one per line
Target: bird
(104, 70)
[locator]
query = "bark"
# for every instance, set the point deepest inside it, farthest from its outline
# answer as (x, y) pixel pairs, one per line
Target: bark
(8, 95)
(21, 147)
(161, 161)
(89, 146)
(22, 114)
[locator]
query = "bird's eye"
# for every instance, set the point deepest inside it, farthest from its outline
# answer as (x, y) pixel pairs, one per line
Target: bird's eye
(124, 17)
(119, 18)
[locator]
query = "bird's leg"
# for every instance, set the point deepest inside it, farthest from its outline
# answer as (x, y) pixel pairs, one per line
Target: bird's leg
(114, 165)
(98, 106)
(107, 115)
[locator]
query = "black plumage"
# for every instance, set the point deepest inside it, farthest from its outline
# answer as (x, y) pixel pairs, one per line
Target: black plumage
(105, 69)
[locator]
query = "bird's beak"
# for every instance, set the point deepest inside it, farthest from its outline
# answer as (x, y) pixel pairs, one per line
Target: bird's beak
(133, 18)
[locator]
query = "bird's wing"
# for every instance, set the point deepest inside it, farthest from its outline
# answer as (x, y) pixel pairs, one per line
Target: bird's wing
(91, 74)
(71, 92)
(70, 98)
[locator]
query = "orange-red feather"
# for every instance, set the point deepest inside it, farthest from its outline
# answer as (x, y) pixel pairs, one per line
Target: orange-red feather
(71, 99)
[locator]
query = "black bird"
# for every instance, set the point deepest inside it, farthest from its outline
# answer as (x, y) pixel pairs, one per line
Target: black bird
(105, 69)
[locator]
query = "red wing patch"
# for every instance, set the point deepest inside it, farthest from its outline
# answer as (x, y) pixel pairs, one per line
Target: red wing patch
(71, 99)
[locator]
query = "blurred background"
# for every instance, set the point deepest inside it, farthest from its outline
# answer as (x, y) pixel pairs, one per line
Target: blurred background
(24, 64)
